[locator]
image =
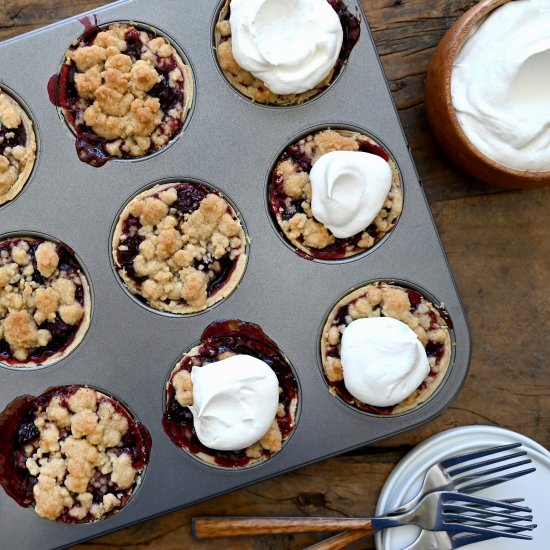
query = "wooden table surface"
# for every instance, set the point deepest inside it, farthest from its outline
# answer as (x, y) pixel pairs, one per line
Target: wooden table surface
(498, 245)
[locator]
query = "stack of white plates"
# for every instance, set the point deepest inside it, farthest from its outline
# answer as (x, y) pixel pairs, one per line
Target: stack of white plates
(406, 479)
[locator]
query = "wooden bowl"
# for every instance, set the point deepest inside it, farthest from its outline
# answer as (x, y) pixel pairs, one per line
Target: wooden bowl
(442, 116)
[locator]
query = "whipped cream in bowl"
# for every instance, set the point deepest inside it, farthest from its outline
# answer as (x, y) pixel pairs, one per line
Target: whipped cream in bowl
(500, 85)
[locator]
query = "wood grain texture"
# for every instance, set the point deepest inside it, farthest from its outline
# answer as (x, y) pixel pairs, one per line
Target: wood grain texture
(498, 244)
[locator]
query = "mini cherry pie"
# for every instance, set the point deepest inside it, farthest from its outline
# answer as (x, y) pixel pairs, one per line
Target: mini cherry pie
(45, 303)
(75, 454)
(180, 247)
(381, 299)
(124, 91)
(219, 341)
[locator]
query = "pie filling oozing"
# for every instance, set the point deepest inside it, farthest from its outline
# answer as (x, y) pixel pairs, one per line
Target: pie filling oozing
(44, 301)
(180, 246)
(289, 196)
(221, 340)
(17, 147)
(253, 87)
(380, 299)
(73, 453)
(124, 91)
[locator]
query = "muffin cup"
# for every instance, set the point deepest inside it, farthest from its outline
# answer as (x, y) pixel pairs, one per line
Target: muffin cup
(253, 88)
(17, 146)
(132, 108)
(74, 453)
(50, 305)
(223, 271)
(290, 207)
(409, 305)
(218, 340)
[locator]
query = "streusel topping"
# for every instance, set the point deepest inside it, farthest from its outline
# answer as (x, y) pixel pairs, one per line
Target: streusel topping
(82, 451)
(44, 300)
(180, 246)
(17, 148)
(430, 325)
(290, 196)
(132, 91)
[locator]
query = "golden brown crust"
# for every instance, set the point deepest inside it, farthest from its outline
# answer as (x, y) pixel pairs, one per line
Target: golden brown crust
(28, 302)
(390, 300)
(302, 229)
(16, 162)
(170, 250)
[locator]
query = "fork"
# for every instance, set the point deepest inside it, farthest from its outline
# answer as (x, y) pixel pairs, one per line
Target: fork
(436, 511)
(445, 475)
(426, 540)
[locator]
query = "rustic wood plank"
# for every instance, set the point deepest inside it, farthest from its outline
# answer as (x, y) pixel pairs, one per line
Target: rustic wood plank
(498, 245)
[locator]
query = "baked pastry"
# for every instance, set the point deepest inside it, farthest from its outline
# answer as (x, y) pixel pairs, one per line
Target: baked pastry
(380, 299)
(180, 247)
(290, 196)
(73, 453)
(255, 88)
(221, 341)
(45, 303)
(124, 91)
(17, 147)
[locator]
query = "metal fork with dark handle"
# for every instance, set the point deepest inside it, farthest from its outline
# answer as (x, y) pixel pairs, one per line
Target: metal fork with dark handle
(436, 511)
(448, 475)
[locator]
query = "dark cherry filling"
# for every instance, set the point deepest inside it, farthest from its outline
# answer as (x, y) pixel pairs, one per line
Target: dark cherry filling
(350, 25)
(285, 207)
(433, 349)
(241, 338)
(190, 196)
(19, 137)
(62, 334)
(17, 430)
(62, 92)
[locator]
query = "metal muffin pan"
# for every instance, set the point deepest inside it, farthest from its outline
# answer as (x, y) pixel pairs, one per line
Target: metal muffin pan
(230, 143)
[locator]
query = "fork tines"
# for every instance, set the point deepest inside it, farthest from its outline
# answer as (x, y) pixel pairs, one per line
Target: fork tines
(475, 480)
(476, 517)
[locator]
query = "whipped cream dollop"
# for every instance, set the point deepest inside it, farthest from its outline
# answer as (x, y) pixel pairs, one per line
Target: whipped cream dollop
(234, 402)
(383, 361)
(501, 85)
(348, 190)
(291, 45)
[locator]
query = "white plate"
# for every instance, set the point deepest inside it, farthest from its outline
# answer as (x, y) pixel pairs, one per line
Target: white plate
(406, 479)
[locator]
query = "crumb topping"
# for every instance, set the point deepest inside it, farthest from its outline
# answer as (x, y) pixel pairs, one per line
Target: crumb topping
(17, 147)
(180, 253)
(81, 464)
(405, 305)
(133, 89)
(36, 294)
(291, 196)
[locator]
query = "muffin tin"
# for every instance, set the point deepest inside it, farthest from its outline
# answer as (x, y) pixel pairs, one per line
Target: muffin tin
(232, 144)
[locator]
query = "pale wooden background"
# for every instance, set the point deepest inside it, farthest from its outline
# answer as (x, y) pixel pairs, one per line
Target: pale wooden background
(498, 244)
